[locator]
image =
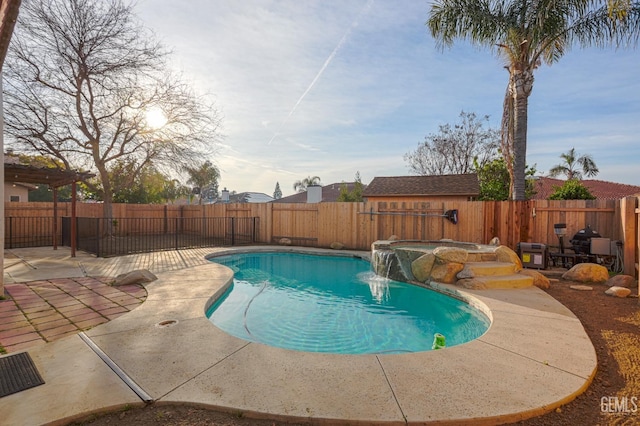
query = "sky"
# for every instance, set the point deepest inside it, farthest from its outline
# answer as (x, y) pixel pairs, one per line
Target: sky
(330, 88)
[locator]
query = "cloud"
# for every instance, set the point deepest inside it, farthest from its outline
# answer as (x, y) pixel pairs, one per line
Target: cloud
(358, 84)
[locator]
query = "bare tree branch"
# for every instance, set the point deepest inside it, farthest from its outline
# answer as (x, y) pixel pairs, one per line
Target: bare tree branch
(455, 148)
(81, 76)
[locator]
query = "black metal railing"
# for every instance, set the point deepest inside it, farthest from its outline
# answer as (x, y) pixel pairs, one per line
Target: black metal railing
(114, 237)
(119, 236)
(20, 232)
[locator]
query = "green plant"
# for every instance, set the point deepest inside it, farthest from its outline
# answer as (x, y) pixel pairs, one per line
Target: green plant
(2, 350)
(572, 189)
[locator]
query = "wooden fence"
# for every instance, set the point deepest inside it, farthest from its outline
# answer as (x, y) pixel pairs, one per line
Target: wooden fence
(357, 225)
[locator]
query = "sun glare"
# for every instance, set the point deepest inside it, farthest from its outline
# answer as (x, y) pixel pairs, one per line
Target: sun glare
(155, 118)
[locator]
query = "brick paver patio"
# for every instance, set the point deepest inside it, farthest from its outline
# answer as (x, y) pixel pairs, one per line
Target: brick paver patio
(37, 312)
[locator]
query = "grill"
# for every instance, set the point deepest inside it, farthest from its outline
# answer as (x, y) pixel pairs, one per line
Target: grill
(581, 241)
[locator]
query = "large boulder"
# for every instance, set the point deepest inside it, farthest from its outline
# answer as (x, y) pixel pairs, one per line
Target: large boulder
(446, 272)
(587, 273)
(139, 276)
(505, 254)
(618, 291)
(626, 281)
(422, 266)
(539, 280)
(451, 254)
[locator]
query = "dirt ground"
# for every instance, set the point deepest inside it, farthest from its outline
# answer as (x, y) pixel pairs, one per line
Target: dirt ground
(613, 324)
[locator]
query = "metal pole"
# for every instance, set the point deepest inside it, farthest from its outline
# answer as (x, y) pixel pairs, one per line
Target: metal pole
(74, 223)
(55, 218)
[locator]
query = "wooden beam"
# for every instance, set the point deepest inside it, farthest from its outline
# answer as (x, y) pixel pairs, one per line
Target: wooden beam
(74, 224)
(574, 209)
(629, 232)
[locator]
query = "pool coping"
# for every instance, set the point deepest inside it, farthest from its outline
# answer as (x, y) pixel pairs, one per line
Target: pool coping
(535, 357)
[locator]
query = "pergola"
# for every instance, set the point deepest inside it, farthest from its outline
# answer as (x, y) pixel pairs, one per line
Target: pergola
(55, 178)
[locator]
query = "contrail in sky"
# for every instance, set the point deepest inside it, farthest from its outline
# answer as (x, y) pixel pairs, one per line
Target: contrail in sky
(324, 67)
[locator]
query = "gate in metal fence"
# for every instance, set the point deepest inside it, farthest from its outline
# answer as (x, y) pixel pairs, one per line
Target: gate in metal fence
(120, 236)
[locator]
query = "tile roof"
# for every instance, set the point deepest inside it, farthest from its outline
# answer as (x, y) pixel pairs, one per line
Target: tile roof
(330, 193)
(462, 184)
(600, 189)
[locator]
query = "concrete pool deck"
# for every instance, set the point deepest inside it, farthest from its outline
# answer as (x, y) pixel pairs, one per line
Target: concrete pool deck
(534, 357)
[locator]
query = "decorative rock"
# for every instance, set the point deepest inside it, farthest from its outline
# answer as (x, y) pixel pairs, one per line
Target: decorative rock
(495, 241)
(139, 276)
(284, 241)
(472, 284)
(618, 291)
(622, 281)
(505, 254)
(422, 266)
(581, 287)
(539, 280)
(467, 272)
(451, 254)
(393, 238)
(446, 272)
(336, 245)
(587, 272)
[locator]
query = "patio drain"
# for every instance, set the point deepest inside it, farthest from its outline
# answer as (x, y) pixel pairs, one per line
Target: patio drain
(166, 323)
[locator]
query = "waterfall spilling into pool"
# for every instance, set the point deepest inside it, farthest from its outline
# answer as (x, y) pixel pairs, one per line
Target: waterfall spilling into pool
(336, 304)
(468, 265)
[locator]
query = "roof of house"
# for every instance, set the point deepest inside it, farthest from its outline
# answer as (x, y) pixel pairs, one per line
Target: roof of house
(462, 184)
(250, 197)
(602, 190)
(330, 193)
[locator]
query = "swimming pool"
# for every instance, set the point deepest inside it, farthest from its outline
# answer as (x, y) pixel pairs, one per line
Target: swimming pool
(335, 304)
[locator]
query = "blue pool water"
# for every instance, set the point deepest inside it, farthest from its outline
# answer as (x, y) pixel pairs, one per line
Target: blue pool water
(335, 304)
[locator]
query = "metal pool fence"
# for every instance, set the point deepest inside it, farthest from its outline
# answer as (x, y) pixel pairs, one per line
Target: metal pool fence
(120, 236)
(23, 232)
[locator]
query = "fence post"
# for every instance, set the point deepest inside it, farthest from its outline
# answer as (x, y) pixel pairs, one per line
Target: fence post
(98, 237)
(176, 229)
(629, 232)
(10, 232)
(253, 232)
(233, 232)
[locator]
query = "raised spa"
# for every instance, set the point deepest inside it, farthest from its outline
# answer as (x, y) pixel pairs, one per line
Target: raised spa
(335, 304)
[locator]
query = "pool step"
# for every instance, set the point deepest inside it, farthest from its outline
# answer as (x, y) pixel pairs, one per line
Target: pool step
(492, 274)
(502, 281)
(484, 269)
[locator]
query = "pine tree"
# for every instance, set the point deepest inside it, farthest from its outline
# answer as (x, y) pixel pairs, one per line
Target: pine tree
(277, 193)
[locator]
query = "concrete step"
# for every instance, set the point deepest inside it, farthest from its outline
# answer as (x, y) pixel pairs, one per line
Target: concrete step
(481, 257)
(506, 281)
(484, 269)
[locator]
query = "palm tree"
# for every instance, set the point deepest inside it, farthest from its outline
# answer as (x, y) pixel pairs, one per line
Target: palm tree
(570, 164)
(526, 33)
(301, 185)
(203, 177)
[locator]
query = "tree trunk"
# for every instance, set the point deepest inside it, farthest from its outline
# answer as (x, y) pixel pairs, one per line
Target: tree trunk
(522, 83)
(107, 193)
